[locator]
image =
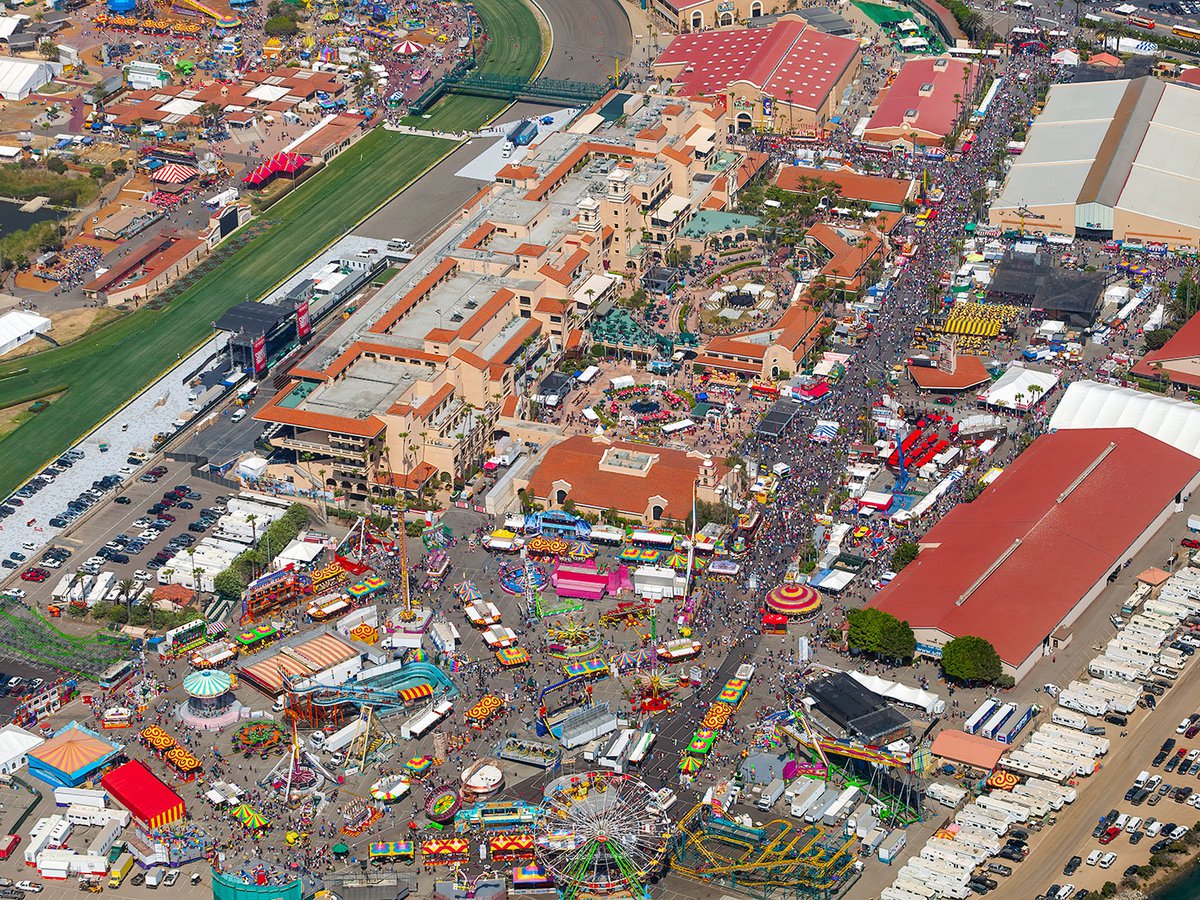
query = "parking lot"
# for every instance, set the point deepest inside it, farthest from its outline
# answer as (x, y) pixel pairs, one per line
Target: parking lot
(112, 517)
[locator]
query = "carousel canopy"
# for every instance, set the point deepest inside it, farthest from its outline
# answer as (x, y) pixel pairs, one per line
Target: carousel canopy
(794, 600)
(209, 683)
(466, 591)
(408, 48)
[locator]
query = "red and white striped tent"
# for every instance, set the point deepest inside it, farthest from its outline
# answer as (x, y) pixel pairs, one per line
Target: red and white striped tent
(174, 173)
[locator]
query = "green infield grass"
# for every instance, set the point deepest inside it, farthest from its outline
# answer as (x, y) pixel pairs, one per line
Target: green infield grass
(106, 367)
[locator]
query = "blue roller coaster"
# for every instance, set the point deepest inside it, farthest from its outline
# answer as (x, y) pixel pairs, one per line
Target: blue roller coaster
(388, 689)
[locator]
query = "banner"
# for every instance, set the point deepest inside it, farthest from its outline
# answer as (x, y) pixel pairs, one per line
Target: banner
(260, 354)
(303, 324)
(768, 105)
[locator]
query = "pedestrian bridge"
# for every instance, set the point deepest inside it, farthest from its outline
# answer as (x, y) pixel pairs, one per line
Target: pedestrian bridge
(511, 88)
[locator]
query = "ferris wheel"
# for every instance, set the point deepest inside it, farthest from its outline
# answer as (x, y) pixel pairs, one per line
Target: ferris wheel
(600, 833)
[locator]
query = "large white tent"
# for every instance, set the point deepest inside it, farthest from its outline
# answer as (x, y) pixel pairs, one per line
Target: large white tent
(18, 327)
(1089, 404)
(1019, 388)
(21, 77)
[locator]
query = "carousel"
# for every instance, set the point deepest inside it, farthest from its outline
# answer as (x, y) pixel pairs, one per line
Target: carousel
(210, 703)
(796, 601)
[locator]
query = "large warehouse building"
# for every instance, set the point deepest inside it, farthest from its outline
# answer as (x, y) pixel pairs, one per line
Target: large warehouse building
(1022, 562)
(1110, 159)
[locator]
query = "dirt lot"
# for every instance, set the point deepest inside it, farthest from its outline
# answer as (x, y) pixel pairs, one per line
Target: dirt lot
(12, 417)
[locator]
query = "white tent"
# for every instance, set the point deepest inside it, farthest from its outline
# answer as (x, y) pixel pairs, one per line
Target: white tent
(1089, 404)
(901, 693)
(18, 327)
(1020, 388)
(21, 77)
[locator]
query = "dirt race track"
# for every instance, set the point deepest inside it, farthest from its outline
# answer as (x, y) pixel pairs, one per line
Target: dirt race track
(588, 36)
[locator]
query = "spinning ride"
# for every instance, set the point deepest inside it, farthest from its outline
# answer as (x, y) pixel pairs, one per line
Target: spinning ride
(599, 835)
(572, 639)
(655, 689)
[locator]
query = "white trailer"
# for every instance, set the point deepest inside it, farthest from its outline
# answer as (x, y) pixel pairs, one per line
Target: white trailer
(1108, 667)
(1025, 763)
(958, 869)
(980, 838)
(911, 883)
(422, 722)
(1069, 718)
(993, 725)
(1037, 806)
(817, 811)
(101, 588)
(1084, 703)
(840, 807)
(1100, 743)
(1065, 791)
(978, 817)
(1014, 811)
(957, 850)
(895, 893)
(946, 794)
(808, 794)
(1025, 790)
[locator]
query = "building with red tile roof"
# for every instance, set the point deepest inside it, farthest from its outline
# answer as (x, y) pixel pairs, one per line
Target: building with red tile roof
(879, 193)
(786, 77)
(967, 372)
(1030, 554)
(1176, 361)
(642, 481)
(923, 102)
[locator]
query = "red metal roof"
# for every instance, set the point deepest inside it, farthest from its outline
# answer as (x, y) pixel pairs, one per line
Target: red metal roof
(935, 107)
(1010, 566)
(1176, 357)
(144, 794)
(788, 55)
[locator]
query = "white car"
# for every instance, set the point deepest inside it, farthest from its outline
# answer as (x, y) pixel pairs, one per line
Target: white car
(94, 561)
(126, 470)
(149, 534)
(141, 575)
(171, 878)
(1193, 755)
(143, 522)
(19, 593)
(30, 887)
(1153, 829)
(1178, 832)
(1094, 857)
(1183, 726)
(1107, 860)
(51, 563)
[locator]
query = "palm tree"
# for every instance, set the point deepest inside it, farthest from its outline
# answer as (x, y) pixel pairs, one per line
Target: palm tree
(191, 552)
(125, 589)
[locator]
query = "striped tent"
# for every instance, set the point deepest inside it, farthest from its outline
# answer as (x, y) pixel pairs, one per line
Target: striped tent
(409, 695)
(174, 173)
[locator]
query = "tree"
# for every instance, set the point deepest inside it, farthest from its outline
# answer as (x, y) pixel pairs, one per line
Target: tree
(56, 165)
(880, 634)
(971, 659)
(125, 589)
(1157, 337)
(119, 166)
(48, 50)
(280, 26)
(99, 173)
(229, 585)
(905, 553)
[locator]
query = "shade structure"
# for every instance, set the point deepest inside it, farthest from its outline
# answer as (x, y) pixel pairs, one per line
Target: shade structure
(690, 764)
(408, 48)
(209, 683)
(147, 798)
(795, 600)
(69, 757)
(174, 173)
(249, 816)
(676, 561)
(582, 550)
(512, 656)
(261, 175)
(419, 764)
(467, 592)
(340, 850)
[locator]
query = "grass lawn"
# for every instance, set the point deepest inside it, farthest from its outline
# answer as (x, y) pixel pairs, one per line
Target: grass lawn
(883, 15)
(110, 365)
(514, 47)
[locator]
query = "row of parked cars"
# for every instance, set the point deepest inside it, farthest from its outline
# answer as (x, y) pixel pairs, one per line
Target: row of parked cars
(41, 480)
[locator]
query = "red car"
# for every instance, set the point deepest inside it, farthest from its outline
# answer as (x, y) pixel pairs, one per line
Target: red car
(1110, 835)
(1191, 543)
(38, 575)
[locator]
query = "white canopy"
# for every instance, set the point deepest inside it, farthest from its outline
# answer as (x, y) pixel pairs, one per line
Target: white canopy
(1020, 388)
(901, 693)
(1089, 404)
(18, 327)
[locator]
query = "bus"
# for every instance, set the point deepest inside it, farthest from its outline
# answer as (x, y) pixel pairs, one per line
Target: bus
(116, 675)
(1186, 32)
(1141, 22)
(420, 76)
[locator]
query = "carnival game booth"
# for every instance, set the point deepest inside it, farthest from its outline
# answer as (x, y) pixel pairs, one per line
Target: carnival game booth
(381, 852)
(214, 655)
(274, 593)
(488, 707)
(445, 851)
(498, 637)
(255, 638)
(531, 878)
(331, 606)
(511, 847)
(483, 614)
(150, 802)
(71, 757)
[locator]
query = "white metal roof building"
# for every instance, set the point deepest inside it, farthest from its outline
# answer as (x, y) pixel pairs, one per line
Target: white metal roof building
(1019, 388)
(18, 327)
(15, 744)
(1110, 159)
(21, 77)
(1089, 404)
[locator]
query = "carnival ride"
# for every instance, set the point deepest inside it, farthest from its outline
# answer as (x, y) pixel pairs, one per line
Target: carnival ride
(298, 772)
(778, 858)
(888, 779)
(387, 689)
(654, 690)
(572, 639)
(601, 834)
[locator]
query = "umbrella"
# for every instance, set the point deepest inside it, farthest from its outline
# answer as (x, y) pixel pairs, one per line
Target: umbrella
(582, 549)
(418, 764)
(675, 561)
(249, 816)
(341, 850)
(408, 48)
(466, 591)
(690, 764)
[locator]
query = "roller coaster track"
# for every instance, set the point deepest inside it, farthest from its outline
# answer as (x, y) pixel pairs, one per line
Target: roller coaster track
(384, 700)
